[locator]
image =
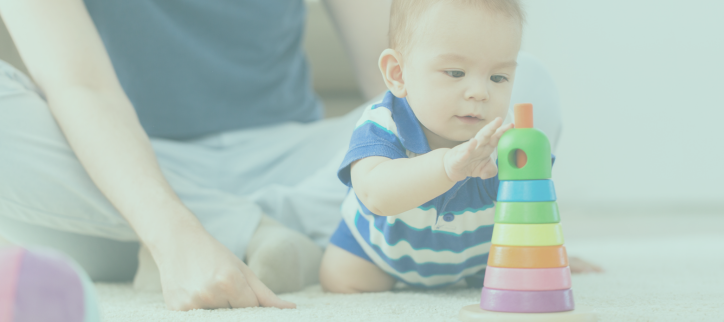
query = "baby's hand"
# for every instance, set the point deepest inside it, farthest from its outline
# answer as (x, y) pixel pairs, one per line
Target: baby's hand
(472, 158)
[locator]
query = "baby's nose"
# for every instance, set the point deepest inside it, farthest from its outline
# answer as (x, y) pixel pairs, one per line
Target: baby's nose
(477, 93)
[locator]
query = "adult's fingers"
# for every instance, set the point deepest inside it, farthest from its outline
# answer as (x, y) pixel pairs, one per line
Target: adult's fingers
(240, 294)
(228, 289)
(266, 297)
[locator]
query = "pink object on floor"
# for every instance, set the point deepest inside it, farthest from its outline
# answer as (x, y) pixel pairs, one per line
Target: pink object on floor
(10, 259)
(44, 285)
(528, 279)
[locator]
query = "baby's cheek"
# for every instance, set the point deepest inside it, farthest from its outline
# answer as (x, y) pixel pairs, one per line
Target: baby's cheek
(500, 109)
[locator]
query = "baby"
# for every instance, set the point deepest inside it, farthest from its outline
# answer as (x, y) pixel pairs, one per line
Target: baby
(423, 183)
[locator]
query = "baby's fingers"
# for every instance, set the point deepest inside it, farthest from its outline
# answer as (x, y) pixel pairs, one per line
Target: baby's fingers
(488, 170)
(498, 133)
(464, 151)
(457, 159)
(486, 132)
(472, 145)
(461, 153)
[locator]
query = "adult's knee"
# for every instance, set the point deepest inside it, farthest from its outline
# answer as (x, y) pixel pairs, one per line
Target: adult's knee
(24, 114)
(41, 179)
(29, 136)
(103, 259)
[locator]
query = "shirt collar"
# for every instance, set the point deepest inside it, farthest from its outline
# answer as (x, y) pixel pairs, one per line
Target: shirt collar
(408, 127)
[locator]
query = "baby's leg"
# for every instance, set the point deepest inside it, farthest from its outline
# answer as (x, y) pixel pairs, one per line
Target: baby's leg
(344, 272)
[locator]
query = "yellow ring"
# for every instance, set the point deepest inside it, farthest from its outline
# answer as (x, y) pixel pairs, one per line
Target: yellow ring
(527, 234)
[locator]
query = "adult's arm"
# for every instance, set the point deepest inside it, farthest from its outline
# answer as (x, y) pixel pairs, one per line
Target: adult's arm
(363, 26)
(66, 57)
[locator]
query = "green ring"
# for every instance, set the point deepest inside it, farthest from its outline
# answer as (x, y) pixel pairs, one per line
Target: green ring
(537, 148)
(527, 212)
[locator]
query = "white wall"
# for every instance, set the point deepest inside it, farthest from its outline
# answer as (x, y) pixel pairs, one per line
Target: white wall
(8, 52)
(642, 92)
(641, 86)
(332, 70)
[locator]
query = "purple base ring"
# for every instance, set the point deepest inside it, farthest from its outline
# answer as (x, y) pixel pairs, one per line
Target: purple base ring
(526, 301)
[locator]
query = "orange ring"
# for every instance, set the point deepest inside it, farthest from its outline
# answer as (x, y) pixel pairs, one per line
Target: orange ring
(528, 256)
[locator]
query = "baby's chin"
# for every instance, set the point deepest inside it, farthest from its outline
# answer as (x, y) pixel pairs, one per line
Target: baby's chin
(459, 135)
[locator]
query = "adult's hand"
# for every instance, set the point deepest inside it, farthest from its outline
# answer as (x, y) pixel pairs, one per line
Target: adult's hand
(198, 272)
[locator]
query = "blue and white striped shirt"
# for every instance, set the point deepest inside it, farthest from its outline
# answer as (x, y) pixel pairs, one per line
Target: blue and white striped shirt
(435, 244)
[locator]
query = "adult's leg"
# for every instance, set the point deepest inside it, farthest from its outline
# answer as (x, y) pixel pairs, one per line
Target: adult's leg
(42, 184)
(42, 201)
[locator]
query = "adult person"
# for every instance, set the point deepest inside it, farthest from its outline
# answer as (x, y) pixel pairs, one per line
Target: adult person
(176, 124)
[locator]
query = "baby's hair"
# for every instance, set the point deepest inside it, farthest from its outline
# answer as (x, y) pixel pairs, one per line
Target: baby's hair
(405, 14)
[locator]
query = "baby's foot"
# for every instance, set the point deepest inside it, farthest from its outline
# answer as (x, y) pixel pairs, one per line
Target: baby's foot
(578, 265)
(283, 259)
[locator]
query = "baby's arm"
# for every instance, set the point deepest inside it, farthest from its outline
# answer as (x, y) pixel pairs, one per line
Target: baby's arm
(389, 187)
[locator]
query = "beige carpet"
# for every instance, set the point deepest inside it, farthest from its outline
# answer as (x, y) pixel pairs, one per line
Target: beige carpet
(659, 267)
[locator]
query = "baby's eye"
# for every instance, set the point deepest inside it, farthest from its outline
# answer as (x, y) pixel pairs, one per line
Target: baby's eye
(455, 73)
(498, 78)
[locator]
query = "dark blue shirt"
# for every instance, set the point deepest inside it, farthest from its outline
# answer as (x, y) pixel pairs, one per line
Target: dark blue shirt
(193, 67)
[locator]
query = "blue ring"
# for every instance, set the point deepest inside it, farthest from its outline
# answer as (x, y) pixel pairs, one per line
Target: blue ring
(526, 190)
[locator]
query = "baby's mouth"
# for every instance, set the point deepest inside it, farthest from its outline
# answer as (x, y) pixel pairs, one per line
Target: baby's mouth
(469, 119)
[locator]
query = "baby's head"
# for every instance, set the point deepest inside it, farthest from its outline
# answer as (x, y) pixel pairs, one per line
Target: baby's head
(454, 61)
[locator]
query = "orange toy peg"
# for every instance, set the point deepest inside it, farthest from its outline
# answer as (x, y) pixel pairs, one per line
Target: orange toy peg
(523, 119)
(523, 115)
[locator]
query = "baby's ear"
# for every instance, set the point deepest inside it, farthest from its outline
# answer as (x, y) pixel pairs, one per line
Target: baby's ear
(391, 68)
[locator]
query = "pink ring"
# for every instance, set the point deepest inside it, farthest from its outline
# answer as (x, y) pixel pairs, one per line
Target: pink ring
(528, 279)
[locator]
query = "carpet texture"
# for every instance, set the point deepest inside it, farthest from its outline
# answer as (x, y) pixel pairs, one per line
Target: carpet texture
(659, 267)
